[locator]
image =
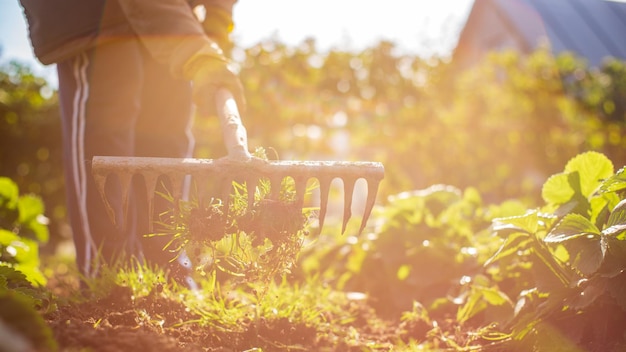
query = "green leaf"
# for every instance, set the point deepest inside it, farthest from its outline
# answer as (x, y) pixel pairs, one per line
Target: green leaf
(21, 254)
(31, 209)
(593, 168)
(561, 253)
(601, 207)
(18, 312)
(614, 255)
(557, 189)
(591, 290)
(527, 222)
(615, 231)
(614, 183)
(512, 244)
(13, 278)
(494, 296)
(9, 193)
(589, 256)
(561, 186)
(474, 305)
(618, 215)
(479, 299)
(32, 273)
(586, 252)
(7, 237)
(570, 227)
(472, 196)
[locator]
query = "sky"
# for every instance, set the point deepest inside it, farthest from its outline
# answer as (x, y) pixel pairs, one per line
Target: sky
(421, 27)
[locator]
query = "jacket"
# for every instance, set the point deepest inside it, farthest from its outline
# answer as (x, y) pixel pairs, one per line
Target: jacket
(60, 29)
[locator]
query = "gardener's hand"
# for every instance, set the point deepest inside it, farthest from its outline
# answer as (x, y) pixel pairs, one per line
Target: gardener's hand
(209, 70)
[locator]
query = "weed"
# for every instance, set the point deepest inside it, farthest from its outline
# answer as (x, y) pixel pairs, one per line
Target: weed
(231, 238)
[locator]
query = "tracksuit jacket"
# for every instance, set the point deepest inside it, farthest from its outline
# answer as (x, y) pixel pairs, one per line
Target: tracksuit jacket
(59, 29)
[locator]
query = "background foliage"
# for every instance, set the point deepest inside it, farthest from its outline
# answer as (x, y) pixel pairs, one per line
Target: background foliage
(30, 142)
(501, 127)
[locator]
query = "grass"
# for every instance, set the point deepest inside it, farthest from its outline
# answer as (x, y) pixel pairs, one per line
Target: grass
(280, 316)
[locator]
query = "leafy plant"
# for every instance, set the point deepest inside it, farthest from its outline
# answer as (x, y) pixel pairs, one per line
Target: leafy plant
(495, 277)
(22, 228)
(19, 319)
(427, 244)
(565, 263)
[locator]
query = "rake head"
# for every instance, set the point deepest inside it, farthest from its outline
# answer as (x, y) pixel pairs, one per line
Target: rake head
(226, 170)
(238, 165)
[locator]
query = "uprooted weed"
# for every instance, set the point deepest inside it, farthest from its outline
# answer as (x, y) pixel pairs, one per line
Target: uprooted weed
(234, 239)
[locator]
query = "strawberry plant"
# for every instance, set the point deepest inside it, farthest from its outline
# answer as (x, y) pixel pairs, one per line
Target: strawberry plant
(426, 244)
(20, 318)
(502, 277)
(22, 228)
(564, 264)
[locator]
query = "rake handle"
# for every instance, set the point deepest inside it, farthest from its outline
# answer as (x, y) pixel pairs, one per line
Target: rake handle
(233, 130)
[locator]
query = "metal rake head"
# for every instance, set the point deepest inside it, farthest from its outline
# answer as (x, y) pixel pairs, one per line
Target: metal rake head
(225, 170)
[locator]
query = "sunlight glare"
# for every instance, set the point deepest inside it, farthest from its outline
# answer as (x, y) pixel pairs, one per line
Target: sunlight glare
(416, 26)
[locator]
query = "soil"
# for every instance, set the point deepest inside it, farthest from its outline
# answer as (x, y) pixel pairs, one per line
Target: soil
(119, 322)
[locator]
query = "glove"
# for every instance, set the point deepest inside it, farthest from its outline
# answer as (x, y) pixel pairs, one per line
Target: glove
(218, 24)
(209, 70)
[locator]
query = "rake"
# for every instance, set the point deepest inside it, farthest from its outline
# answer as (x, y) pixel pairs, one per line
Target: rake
(239, 164)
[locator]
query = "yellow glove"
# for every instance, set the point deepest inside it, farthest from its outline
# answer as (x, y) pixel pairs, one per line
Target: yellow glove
(209, 70)
(218, 24)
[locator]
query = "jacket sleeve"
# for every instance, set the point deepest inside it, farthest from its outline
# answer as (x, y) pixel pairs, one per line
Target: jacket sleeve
(170, 31)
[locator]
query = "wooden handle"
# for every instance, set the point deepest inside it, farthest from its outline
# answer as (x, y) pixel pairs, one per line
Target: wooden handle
(233, 130)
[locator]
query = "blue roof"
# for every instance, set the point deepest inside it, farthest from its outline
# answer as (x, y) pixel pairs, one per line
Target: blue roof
(593, 29)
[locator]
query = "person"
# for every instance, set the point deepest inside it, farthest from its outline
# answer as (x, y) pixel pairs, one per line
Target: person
(131, 73)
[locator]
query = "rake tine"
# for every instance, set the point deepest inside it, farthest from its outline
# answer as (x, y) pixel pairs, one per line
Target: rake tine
(177, 184)
(348, 189)
(226, 185)
(300, 184)
(151, 183)
(201, 188)
(125, 181)
(100, 180)
(372, 190)
(324, 190)
(275, 185)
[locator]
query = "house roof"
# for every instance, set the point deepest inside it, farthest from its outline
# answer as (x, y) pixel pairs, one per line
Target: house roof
(593, 29)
